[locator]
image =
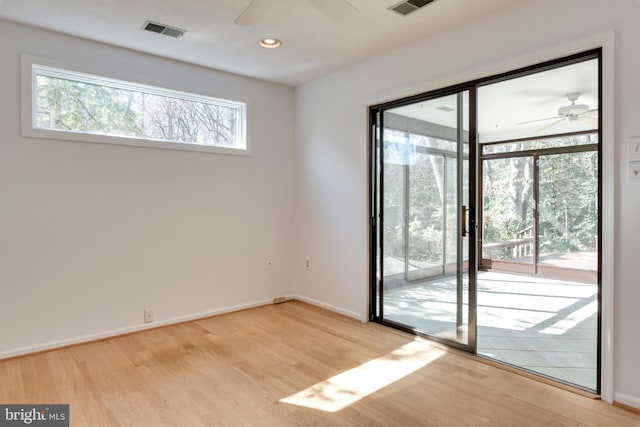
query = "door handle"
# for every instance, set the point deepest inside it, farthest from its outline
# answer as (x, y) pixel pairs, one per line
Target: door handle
(463, 220)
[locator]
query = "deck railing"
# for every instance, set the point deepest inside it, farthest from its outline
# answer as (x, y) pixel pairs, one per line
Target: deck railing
(519, 247)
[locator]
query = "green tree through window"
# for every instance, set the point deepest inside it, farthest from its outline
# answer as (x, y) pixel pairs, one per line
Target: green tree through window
(95, 105)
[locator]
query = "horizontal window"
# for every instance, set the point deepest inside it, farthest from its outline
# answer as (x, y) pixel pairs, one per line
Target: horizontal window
(67, 104)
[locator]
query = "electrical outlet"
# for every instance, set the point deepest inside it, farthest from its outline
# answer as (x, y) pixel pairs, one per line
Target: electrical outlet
(269, 264)
(307, 263)
(148, 316)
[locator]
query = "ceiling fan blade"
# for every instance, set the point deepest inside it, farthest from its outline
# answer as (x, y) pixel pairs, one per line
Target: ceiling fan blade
(253, 12)
(539, 120)
(337, 10)
(552, 124)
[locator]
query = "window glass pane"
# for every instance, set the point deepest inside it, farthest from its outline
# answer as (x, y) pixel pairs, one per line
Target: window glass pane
(507, 206)
(393, 204)
(569, 210)
(425, 220)
(100, 106)
(540, 144)
(432, 142)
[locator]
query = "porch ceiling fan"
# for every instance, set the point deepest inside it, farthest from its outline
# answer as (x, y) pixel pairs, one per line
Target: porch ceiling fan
(572, 112)
(337, 10)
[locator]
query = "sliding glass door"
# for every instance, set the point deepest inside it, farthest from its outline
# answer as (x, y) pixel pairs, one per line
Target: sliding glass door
(423, 213)
(485, 217)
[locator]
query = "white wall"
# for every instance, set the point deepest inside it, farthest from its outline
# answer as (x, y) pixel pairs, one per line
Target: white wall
(331, 143)
(92, 234)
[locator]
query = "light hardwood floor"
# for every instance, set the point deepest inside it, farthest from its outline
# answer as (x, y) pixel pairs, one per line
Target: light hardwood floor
(284, 365)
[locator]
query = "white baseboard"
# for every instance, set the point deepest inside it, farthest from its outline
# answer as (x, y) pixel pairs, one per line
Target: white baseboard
(142, 327)
(625, 399)
(122, 331)
(330, 307)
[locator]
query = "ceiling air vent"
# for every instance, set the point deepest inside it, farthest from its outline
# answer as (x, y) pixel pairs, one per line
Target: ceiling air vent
(406, 7)
(163, 29)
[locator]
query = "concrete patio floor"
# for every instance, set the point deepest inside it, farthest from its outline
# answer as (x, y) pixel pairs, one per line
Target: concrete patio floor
(542, 325)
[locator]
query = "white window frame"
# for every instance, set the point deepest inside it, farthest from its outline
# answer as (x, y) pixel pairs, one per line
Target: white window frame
(33, 66)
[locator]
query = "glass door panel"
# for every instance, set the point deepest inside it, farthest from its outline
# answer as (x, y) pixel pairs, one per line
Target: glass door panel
(424, 222)
(537, 291)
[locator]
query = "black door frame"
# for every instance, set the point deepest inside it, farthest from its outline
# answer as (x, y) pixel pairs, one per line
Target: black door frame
(376, 118)
(376, 122)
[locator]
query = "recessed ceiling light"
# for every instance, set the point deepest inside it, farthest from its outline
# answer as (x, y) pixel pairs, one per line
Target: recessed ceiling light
(270, 43)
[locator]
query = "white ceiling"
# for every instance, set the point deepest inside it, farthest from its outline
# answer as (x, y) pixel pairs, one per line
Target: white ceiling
(313, 44)
(506, 109)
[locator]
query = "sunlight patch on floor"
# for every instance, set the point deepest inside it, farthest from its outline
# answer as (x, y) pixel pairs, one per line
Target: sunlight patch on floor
(572, 320)
(346, 388)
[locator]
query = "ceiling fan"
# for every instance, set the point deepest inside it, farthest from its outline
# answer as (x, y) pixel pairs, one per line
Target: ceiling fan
(572, 112)
(337, 10)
